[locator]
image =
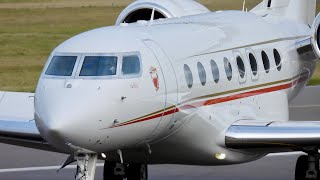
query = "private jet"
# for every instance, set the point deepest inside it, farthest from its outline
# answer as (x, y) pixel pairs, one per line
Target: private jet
(173, 83)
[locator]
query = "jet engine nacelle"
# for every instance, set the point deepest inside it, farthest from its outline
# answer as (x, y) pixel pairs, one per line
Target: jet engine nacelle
(142, 10)
(315, 36)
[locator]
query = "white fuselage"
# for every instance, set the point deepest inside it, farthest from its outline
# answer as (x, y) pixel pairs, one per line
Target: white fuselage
(155, 117)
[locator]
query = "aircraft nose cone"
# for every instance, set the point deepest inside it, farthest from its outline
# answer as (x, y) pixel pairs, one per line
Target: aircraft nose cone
(56, 120)
(54, 126)
(71, 116)
(54, 129)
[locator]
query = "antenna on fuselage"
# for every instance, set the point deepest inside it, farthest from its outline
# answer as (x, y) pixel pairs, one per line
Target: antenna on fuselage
(244, 5)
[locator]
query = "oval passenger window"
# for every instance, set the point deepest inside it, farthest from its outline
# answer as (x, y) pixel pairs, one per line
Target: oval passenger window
(277, 59)
(215, 71)
(202, 74)
(188, 76)
(253, 64)
(241, 67)
(228, 68)
(266, 62)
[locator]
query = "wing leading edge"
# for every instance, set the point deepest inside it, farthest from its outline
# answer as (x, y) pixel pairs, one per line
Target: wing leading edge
(17, 125)
(301, 131)
(246, 134)
(22, 133)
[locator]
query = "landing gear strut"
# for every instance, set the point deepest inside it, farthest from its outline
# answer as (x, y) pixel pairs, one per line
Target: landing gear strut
(86, 166)
(307, 167)
(118, 171)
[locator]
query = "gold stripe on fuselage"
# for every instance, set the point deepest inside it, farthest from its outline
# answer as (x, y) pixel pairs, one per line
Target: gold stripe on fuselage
(238, 90)
(212, 95)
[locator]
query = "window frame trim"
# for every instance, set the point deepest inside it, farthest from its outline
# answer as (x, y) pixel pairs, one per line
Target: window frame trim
(237, 54)
(130, 76)
(74, 71)
(253, 77)
(81, 61)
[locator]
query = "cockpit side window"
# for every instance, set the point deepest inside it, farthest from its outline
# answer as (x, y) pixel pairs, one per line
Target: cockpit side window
(131, 65)
(61, 66)
(99, 66)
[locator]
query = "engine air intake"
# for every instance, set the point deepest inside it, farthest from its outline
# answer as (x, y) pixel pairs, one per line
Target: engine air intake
(142, 10)
(315, 36)
(142, 14)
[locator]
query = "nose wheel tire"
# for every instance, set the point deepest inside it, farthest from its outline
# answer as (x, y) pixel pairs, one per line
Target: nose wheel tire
(110, 171)
(118, 171)
(301, 167)
(307, 168)
(137, 172)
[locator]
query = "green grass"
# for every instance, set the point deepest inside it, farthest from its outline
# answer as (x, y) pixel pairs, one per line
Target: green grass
(31, 29)
(23, 1)
(27, 36)
(316, 77)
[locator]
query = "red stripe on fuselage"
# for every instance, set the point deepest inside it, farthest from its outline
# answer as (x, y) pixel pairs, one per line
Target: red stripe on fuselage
(149, 118)
(235, 97)
(219, 100)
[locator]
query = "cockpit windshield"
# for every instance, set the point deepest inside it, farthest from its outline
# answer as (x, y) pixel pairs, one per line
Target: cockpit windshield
(130, 65)
(61, 66)
(99, 66)
(92, 66)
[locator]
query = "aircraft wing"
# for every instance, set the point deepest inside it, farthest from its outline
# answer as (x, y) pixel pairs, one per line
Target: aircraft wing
(17, 125)
(246, 134)
(303, 129)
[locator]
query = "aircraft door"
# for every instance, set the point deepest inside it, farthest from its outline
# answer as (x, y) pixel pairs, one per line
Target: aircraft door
(171, 87)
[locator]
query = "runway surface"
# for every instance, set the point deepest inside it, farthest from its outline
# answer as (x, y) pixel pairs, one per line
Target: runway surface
(18, 163)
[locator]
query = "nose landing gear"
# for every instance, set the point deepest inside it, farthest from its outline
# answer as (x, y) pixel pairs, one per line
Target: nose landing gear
(307, 167)
(118, 171)
(86, 166)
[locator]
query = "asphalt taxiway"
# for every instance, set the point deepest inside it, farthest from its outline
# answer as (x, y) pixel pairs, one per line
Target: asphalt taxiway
(17, 163)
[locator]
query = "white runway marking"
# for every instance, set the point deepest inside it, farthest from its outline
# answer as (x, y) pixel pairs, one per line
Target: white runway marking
(40, 168)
